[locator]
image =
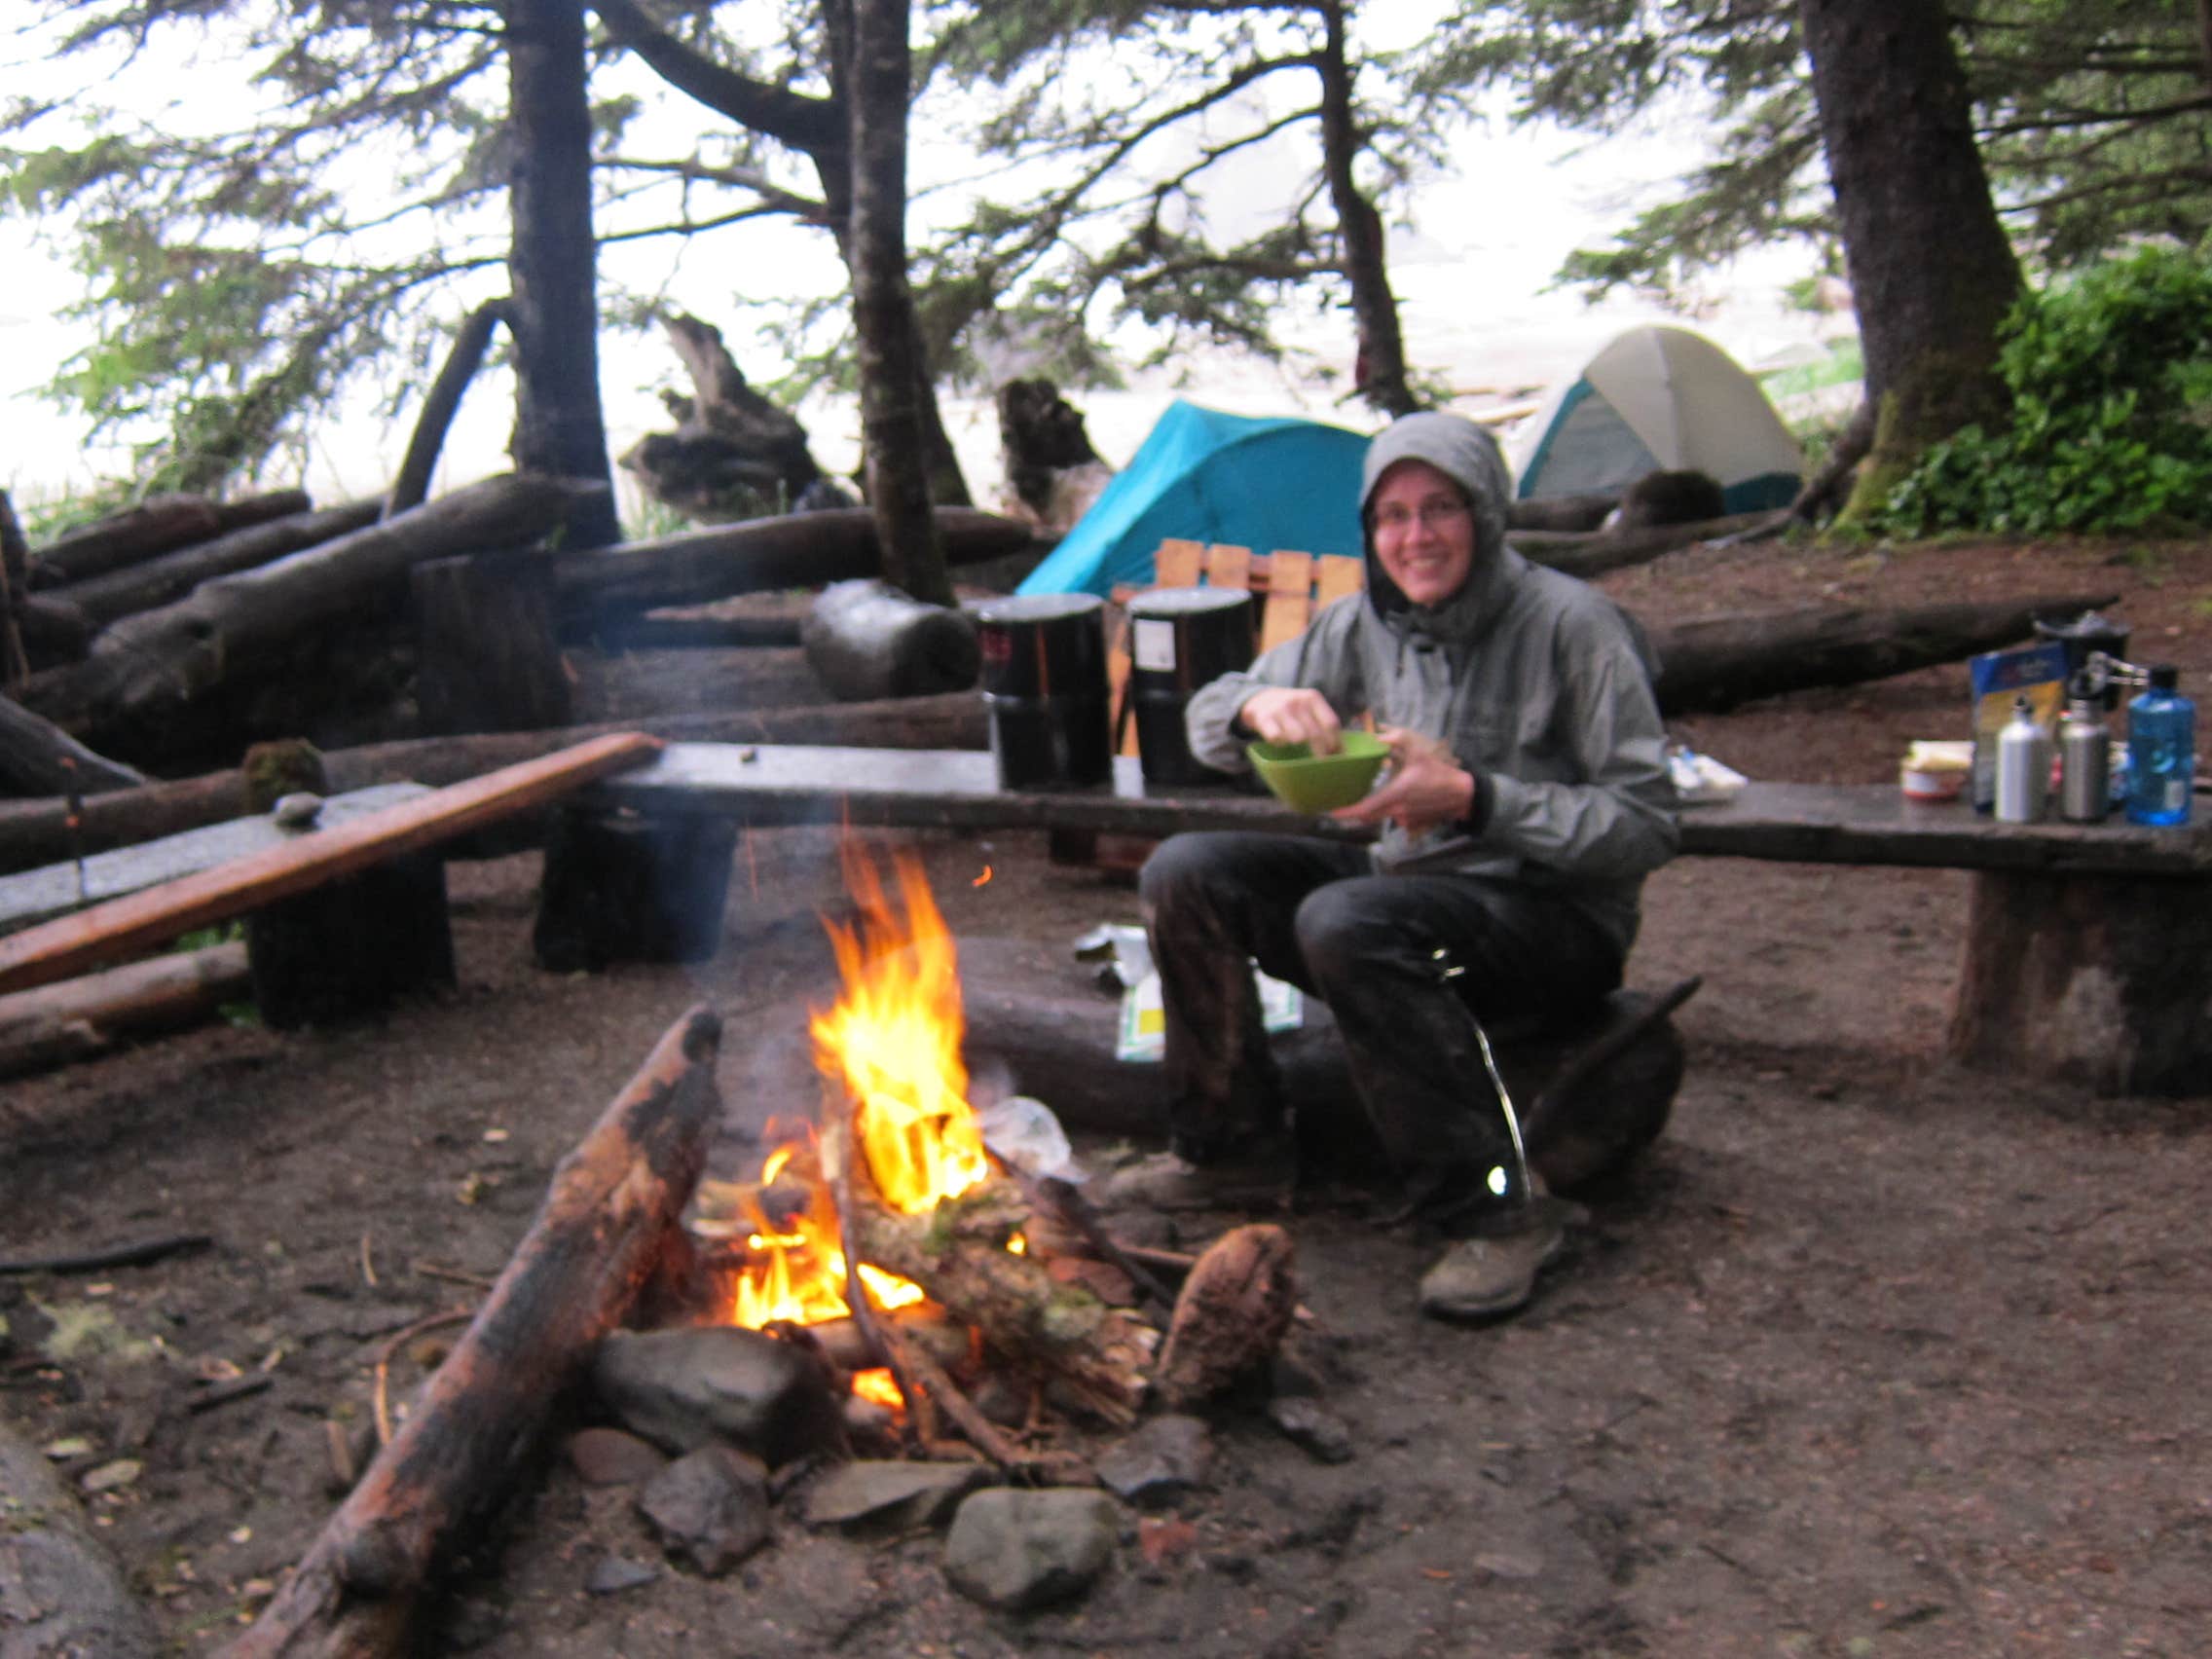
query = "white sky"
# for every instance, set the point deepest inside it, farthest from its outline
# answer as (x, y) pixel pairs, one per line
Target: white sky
(1470, 270)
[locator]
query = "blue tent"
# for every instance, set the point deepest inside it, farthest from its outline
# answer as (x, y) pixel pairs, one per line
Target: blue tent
(1207, 476)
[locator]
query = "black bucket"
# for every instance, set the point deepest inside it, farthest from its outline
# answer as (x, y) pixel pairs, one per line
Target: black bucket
(1044, 686)
(2084, 636)
(1179, 640)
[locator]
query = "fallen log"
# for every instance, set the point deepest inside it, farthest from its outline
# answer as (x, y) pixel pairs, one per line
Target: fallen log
(52, 631)
(1567, 515)
(171, 576)
(60, 1591)
(110, 932)
(610, 1215)
(153, 525)
(38, 757)
(1715, 663)
(795, 550)
(867, 641)
(35, 832)
(1595, 554)
(162, 658)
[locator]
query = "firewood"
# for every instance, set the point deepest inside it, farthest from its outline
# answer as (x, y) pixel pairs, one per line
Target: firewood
(614, 1205)
(1235, 1312)
(958, 1255)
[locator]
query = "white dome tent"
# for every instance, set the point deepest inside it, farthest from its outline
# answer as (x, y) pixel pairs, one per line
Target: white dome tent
(1659, 398)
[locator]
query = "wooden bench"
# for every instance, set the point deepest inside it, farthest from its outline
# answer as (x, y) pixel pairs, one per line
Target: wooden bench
(2082, 958)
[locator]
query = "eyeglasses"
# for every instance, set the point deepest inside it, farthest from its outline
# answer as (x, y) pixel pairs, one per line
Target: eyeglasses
(1397, 518)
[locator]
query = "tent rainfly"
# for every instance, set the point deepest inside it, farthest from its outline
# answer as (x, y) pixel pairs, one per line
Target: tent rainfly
(1263, 483)
(1659, 399)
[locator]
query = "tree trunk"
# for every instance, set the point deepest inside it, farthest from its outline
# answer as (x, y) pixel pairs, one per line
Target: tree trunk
(891, 373)
(609, 1221)
(1381, 377)
(15, 588)
(411, 486)
(171, 576)
(554, 311)
(156, 661)
(1930, 270)
(486, 658)
(81, 1018)
(155, 525)
(797, 550)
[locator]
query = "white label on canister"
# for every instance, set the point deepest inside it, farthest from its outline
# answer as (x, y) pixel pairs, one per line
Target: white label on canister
(1151, 644)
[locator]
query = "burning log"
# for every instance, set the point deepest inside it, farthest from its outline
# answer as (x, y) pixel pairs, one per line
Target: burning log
(958, 1255)
(611, 1211)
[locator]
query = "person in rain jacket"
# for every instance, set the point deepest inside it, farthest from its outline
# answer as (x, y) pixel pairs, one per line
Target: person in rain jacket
(1526, 799)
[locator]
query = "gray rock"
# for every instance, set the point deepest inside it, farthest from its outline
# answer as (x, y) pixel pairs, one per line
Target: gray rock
(1312, 1428)
(891, 1495)
(1159, 1463)
(615, 1574)
(1016, 1550)
(709, 1508)
(607, 1456)
(684, 1389)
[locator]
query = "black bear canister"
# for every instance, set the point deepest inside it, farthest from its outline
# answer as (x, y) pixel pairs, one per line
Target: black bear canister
(1045, 688)
(1180, 639)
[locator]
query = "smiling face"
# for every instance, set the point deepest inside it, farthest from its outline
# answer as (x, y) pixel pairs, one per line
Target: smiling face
(1424, 535)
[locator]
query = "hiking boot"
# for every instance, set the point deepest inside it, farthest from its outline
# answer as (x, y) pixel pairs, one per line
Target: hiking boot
(1490, 1276)
(1259, 1174)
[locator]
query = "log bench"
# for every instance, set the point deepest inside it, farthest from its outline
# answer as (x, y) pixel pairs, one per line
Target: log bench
(2081, 956)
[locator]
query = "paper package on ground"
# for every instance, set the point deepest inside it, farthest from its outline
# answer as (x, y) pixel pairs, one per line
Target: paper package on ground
(1142, 1033)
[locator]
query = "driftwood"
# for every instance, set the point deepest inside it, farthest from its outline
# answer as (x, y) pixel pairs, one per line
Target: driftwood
(79, 1019)
(38, 757)
(107, 933)
(171, 576)
(1050, 468)
(60, 1591)
(612, 1213)
(958, 1255)
(1595, 554)
(52, 630)
(410, 485)
(35, 832)
(867, 641)
(153, 525)
(734, 454)
(159, 659)
(794, 550)
(1717, 662)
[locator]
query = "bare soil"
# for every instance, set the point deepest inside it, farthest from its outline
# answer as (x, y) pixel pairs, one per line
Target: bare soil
(1868, 1355)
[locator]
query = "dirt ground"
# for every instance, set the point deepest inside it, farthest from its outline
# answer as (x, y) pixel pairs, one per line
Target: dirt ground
(1870, 1355)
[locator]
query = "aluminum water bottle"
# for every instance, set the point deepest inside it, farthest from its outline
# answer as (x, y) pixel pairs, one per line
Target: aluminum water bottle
(2161, 750)
(2085, 759)
(2023, 767)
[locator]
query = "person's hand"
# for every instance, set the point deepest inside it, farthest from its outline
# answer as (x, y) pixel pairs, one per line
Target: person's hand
(1426, 787)
(1292, 713)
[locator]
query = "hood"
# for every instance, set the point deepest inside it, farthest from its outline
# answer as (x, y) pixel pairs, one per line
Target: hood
(1469, 455)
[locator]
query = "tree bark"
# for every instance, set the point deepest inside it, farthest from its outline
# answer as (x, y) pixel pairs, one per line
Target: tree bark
(15, 589)
(609, 1219)
(554, 308)
(411, 487)
(1381, 362)
(154, 662)
(795, 550)
(1931, 273)
(81, 1018)
(38, 757)
(890, 360)
(155, 525)
(486, 658)
(169, 576)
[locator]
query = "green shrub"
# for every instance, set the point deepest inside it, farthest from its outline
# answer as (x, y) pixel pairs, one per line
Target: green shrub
(2110, 376)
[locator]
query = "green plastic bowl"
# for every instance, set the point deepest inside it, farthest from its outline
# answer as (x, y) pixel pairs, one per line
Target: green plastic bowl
(1305, 782)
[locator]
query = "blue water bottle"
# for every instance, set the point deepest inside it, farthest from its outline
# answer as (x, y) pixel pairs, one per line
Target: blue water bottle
(2161, 750)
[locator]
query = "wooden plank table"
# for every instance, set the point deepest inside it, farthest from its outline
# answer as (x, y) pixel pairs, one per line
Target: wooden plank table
(2083, 954)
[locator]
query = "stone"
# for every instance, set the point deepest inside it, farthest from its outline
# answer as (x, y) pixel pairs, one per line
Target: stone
(608, 1456)
(709, 1508)
(683, 1388)
(1159, 1463)
(1312, 1428)
(1016, 1550)
(613, 1574)
(892, 1497)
